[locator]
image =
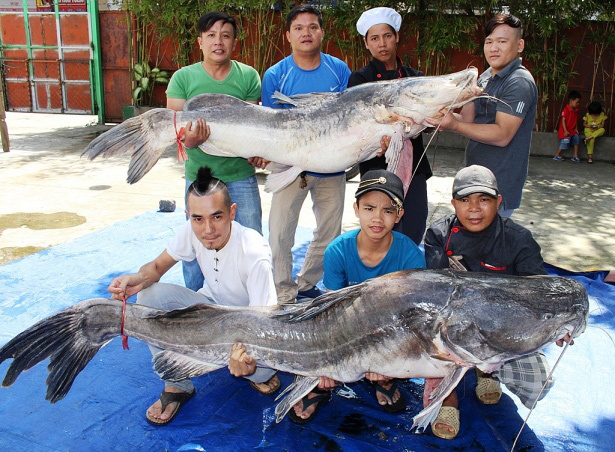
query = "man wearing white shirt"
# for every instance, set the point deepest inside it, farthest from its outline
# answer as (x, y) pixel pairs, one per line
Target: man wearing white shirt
(236, 263)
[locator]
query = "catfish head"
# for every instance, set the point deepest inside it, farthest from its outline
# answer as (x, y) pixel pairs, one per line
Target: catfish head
(418, 98)
(491, 319)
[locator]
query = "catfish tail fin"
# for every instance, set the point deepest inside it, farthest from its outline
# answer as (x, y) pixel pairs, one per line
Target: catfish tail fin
(144, 137)
(70, 338)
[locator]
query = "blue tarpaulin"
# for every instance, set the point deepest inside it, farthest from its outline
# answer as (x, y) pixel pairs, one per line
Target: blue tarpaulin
(104, 411)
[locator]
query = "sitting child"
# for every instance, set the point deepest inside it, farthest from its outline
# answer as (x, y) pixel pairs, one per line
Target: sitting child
(355, 256)
(593, 121)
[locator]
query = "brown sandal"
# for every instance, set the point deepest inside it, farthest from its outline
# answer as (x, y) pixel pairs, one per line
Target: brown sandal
(271, 385)
(488, 390)
(447, 415)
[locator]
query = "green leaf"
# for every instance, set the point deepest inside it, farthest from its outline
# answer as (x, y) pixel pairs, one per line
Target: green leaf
(138, 71)
(136, 93)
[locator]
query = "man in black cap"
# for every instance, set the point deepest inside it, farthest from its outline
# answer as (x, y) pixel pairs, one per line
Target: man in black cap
(476, 238)
(355, 256)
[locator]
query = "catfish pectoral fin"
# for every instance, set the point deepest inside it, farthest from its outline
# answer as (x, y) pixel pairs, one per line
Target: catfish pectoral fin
(297, 390)
(428, 414)
(175, 366)
(277, 181)
(442, 356)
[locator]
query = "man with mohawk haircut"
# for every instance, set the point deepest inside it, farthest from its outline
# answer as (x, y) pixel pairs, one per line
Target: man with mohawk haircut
(236, 263)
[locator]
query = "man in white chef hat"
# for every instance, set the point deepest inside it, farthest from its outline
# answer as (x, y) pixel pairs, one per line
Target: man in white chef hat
(380, 30)
(380, 15)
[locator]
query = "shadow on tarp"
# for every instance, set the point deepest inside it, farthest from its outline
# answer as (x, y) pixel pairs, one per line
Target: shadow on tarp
(104, 411)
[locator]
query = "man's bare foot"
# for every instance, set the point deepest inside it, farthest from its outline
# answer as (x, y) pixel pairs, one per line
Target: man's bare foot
(308, 412)
(382, 398)
(488, 389)
(452, 401)
(267, 387)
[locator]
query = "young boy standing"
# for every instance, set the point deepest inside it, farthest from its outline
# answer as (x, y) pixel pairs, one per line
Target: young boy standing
(357, 255)
(476, 238)
(567, 134)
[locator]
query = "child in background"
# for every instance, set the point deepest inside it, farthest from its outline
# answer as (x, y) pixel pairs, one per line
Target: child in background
(567, 133)
(593, 121)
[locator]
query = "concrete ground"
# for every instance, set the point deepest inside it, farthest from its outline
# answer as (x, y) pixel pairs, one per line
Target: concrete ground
(50, 195)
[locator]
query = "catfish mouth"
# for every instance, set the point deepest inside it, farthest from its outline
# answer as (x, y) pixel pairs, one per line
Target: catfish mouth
(469, 89)
(575, 327)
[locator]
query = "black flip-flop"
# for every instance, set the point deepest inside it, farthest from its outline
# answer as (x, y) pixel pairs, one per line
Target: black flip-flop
(396, 407)
(320, 399)
(170, 397)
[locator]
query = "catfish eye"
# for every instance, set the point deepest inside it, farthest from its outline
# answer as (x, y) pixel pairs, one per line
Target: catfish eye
(547, 316)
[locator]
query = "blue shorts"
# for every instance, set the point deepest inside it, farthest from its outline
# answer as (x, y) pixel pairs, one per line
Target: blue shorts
(568, 141)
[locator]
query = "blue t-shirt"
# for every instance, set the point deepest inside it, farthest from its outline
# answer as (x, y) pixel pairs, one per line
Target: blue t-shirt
(331, 76)
(343, 266)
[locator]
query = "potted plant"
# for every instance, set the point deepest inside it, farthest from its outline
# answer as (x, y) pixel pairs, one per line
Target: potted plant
(144, 76)
(145, 79)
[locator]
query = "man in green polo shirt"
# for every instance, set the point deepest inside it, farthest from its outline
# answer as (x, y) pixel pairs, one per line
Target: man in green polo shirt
(217, 73)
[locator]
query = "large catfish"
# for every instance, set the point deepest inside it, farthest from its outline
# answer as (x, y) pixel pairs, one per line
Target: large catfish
(416, 323)
(325, 132)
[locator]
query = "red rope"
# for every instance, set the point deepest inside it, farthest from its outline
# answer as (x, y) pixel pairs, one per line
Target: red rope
(124, 337)
(181, 149)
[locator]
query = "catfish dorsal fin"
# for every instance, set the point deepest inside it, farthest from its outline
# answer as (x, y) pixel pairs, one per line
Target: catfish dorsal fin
(302, 100)
(303, 311)
(208, 100)
(177, 313)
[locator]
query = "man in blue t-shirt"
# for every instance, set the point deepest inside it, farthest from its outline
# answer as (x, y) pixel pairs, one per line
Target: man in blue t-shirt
(306, 70)
(355, 256)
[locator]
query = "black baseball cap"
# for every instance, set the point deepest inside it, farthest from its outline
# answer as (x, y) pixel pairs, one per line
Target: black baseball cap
(384, 181)
(475, 179)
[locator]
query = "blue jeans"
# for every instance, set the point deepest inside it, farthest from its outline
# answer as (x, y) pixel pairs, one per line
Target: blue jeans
(245, 194)
(564, 143)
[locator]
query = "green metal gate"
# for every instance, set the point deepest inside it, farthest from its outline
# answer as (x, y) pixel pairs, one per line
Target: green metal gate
(51, 59)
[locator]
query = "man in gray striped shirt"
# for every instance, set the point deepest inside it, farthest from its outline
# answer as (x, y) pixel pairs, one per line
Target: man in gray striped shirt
(500, 127)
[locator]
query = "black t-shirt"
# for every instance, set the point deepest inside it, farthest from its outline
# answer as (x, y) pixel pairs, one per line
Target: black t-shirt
(504, 247)
(376, 71)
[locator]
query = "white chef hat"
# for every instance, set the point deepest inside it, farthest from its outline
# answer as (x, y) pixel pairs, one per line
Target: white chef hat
(380, 15)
